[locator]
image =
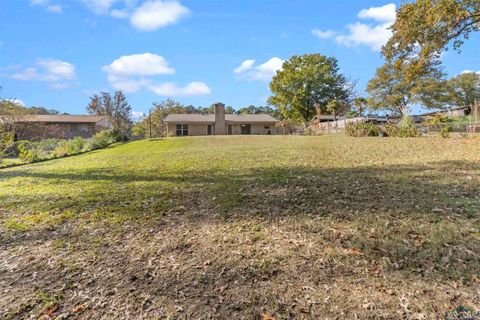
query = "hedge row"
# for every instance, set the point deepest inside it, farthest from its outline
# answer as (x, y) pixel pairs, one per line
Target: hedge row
(33, 151)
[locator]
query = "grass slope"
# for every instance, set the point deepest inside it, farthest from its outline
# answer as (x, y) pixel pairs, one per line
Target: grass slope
(244, 227)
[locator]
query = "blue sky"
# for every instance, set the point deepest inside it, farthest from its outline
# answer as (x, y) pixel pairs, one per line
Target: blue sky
(57, 53)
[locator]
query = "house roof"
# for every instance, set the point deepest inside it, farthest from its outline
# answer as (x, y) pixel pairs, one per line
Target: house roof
(210, 118)
(442, 111)
(62, 118)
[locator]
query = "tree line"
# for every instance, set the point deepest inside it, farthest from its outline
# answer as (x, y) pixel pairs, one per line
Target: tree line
(312, 84)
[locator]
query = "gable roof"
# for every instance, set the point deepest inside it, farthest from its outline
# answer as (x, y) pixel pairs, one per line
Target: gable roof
(210, 118)
(62, 118)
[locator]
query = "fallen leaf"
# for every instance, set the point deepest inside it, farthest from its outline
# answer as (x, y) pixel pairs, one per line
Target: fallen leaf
(266, 316)
(79, 308)
(356, 251)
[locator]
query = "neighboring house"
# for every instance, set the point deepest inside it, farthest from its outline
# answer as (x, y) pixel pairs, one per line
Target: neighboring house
(455, 112)
(219, 123)
(326, 124)
(37, 127)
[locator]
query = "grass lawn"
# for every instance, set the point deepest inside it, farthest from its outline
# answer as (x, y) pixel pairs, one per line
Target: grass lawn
(244, 227)
(9, 162)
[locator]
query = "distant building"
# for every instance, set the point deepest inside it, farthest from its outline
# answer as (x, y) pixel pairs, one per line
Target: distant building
(37, 127)
(454, 112)
(219, 123)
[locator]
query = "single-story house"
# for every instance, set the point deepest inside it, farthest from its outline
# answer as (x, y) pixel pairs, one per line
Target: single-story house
(37, 127)
(454, 112)
(219, 123)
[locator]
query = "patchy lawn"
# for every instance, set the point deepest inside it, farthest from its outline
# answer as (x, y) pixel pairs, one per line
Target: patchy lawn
(244, 227)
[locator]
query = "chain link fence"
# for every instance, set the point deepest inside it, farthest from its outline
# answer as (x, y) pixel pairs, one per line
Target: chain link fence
(460, 128)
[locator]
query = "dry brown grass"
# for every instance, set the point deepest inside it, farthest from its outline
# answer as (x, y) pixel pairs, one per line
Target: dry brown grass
(245, 227)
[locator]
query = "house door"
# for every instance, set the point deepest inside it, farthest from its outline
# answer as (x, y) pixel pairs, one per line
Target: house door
(245, 129)
(209, 130)
(229, 130)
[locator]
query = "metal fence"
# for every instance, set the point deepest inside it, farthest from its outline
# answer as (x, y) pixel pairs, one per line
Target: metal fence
(462, 128)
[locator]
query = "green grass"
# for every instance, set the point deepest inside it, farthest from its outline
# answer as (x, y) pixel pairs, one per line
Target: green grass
(244, 226)
(7, 162)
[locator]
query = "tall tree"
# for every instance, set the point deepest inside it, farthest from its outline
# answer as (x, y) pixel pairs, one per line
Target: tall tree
(390, 90)
(160, 111)
(361, 105)
(335, 107)
(424, 28)
(117, 109)
(463, 90)
(306, 82)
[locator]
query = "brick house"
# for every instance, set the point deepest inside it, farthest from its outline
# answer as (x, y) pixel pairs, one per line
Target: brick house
(37, 127)
(219, 123)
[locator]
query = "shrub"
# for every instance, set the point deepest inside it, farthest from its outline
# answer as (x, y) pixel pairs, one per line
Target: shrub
(445, 132)
(407, 128)
(61, 150)
(103, 138)
(7, 144)
(437, 119)
(409, 132)
(391, 130)
(27, 151)
(76, 145)
(70, 147)
(361, 129)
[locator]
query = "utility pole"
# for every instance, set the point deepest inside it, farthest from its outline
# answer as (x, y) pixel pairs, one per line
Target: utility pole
(150, 123)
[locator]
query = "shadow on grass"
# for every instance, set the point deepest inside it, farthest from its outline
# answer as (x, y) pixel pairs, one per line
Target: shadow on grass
(420, 218)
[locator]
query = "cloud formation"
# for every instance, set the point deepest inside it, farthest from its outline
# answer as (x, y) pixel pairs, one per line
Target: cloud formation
(153, 15)
(373, 35)
(148, 16)
(264, 72)
(144, 64)
(136, 72)
(53, 8)
(170, 89)
(57, 73)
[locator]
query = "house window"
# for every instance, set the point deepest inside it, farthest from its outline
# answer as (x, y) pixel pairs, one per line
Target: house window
(245, 129)
(182, 130)
(83, 128)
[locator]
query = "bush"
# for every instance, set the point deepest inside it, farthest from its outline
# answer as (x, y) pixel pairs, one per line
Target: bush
(437, 119)
(7, 144)
(27, 151)
(70, 147)
(103, 138)
(445, 132)
(361, 129)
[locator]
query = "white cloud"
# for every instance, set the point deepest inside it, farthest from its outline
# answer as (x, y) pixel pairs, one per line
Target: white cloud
(470, 71)
(120, 13)
(246, 65)
(362, 34)
(54, 8)
(138, 115)
(145, 64)
(59, 74)
(386, 13)
(39, 2)
(134, 72)
(265, 71)
(127, 84)
(172, 90)
(99, 6)
(153, 15)
(16, 101)
(359, 33)
(324, 34)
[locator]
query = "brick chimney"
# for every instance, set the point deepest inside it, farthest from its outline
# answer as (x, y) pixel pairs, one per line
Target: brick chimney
(219, 110)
